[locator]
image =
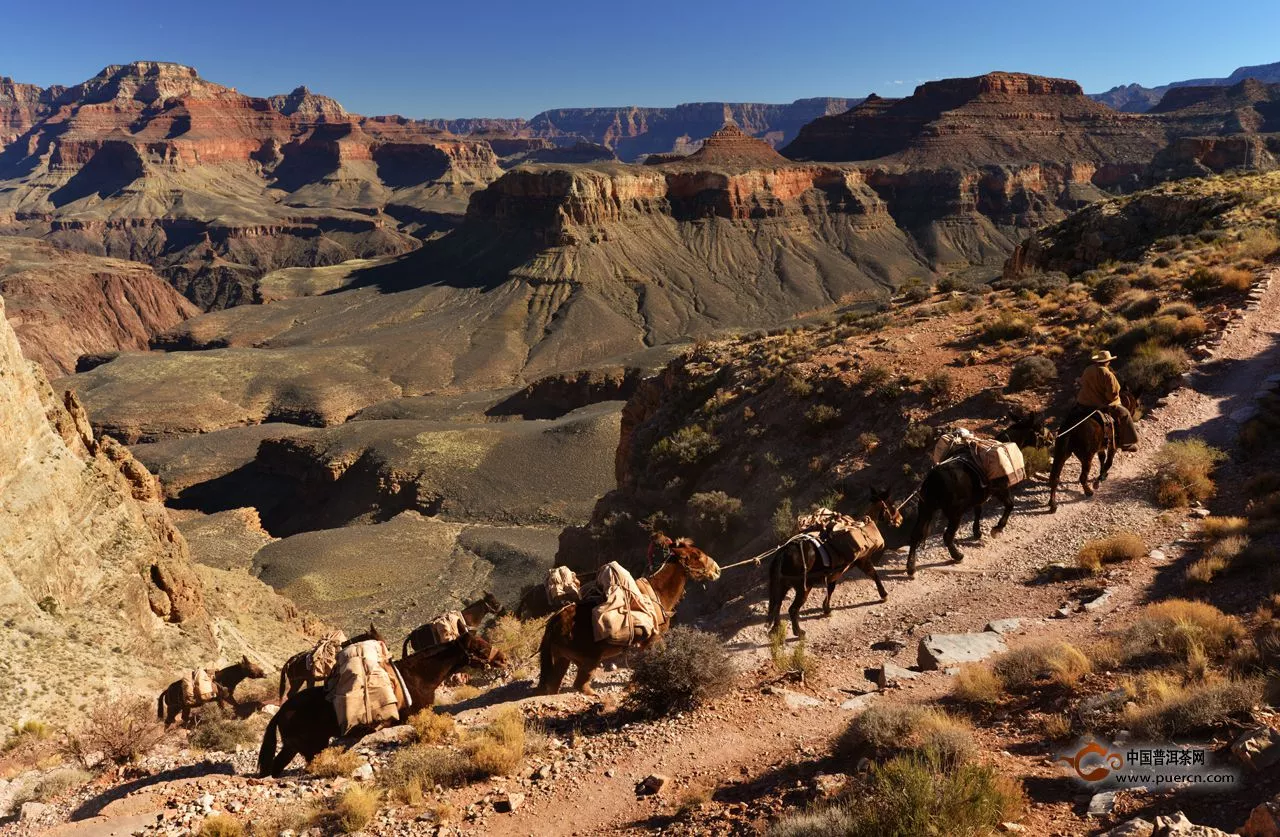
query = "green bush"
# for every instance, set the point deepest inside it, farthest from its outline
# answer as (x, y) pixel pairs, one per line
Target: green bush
(938, 385)
(685, 670)
(715, 509)
(217, 731)
(918, 436)
(1183, 472)
(874, 375)
(822, 415)
(1006, 326)
(1153, 368)
(1031, 372)
(686, 446)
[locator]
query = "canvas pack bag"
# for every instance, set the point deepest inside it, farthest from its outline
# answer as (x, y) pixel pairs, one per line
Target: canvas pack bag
(198, 687)
(627, 614)
(365, 690)
(861, 536)
(448, 627)
(562, 587)
(999, 459)
(321, 659)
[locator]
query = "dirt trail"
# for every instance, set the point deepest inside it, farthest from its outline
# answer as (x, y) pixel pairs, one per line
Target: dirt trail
(752, 733)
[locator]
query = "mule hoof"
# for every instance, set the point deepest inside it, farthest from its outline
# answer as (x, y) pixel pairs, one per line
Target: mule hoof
(956, 559)
(1053, 508)
(885, 597)
(588, 691)
(799, 634)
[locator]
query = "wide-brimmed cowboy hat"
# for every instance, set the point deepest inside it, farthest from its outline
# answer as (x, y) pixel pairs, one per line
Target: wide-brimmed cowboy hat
(1102, 357)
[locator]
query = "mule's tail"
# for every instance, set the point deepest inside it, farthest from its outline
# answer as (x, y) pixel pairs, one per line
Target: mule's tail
(404, 649)
(267, 754)
(546, 662)
(284, 677)
(160, 707)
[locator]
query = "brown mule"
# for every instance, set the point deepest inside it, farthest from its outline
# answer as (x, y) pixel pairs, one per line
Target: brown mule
(296, 672)
(173, 700)
(795, 567)
(421, 637)
(1084, 438)
(306, 723)
(569, 638)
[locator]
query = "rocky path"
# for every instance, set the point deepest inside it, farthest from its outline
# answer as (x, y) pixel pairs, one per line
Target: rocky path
(752, 734)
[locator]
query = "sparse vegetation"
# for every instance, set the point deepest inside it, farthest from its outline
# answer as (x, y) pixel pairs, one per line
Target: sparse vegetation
(518, 640)
(217, 731)
(713, 511)
(1052, 661)
(433, 727)
(1006, 326)
(977, 683)
(891, 729)
(821, 416)
(356, 807)
(1180, 631)
(1183, 471)
(939, 385)
(868, 442)
(1214, 528)
(874, 376)
(221, 825)
(793, 659)
(784, 519)
(1125, 546)
(417, 769)
(1037, 460)
(1153, 367)
(1031, 372)
(1196, 708)
(497, 748)
(686, 446)
(687, 669)
(918, 436)
(333, 762)
(122, 729)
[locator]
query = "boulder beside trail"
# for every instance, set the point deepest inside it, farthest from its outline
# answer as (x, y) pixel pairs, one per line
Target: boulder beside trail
(938, 651)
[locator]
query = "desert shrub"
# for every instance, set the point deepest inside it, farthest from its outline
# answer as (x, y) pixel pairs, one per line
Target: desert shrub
(1108, 290)
(1135, 305)
(356, 807)
(1153, 367)
(218, 731)
(1258, 243)
(26, 733)
(1206, 282)
(1214, 527)
(1031, 665)
(784, 519)
(1180, 310)
(1056, 726)
(1006, 326)
(518, 640)
(498, 747)
(918, 436)
(715, 509)
(56, 784)
(686, 446)
(797, 385)
(868, 441)
(689, 668)
(433, 727)
(1190, 329)
(332, 762)
(956, 282)
(464, 692)
(1125, 546)
(221, 825)
(1204, 570)
(977, 683)
(1037, 460)
(417, 769)
(915, 796)
(1183, 471)
(1030, 372)
(1177, 630)
(1198, 708)
(122, 729)
(916, 290)
(874, 375)
(911, 729)
(793, 659)
(822, 415)
(295, 816)
(938, 385)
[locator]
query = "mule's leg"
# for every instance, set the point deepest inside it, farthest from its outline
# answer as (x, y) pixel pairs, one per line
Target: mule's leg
(1055, 472)
(977, 520)
(1104, 465)
(796, 603)
(1006, 497)
(282, 759)
(949, 536)
(777, 592)
(1086, 465)
(582, 682)
(923, 518)
(831, 588)
(869, 569)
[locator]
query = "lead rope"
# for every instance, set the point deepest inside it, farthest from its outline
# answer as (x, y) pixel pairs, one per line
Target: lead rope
(1080, 422)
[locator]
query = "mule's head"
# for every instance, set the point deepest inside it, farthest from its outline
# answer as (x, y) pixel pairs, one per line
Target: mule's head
(251, 668)
(492, 605)
(883, 510)
(697, 564)
(480, 651)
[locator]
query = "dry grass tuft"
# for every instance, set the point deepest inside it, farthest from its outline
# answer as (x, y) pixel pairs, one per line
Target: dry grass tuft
(518, 640)
(1056, 726)
(1213, 527)
(1125, 546)
(1181, 631)
(498, 748)
(1186, 710)
(977, 683)
(912, 729)
(221, 825)
(1052, 661)
(433, 727)
(121, 729)
(332, 762)
(1183, 472)
(414, 771)
(356, 807)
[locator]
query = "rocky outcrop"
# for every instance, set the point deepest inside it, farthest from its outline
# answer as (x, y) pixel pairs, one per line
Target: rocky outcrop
(66, 305)
(148, 161)
(1134, 98)
(21, 106)
(994, 119)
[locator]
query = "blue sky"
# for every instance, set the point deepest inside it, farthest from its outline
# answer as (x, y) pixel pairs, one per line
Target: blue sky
(499, 58)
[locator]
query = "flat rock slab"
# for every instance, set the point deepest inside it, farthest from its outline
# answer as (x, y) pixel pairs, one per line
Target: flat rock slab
(798, 701)
(104, 826)
(1003, 626)
(1104, 601)
(1136, 827)
(1102, 804)
(891, 675)
(1257, 748)
(859, 703)
(943, 650)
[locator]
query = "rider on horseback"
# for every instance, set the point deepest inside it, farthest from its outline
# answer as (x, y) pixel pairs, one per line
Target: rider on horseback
(1100, 390)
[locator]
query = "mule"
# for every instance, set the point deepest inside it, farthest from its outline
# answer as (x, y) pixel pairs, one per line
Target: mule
(421, 637)
(952, 487)
(296, 672)
(569, 637)
(306, 722)
(173, 702)
(796, 567)
(1085, 437)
